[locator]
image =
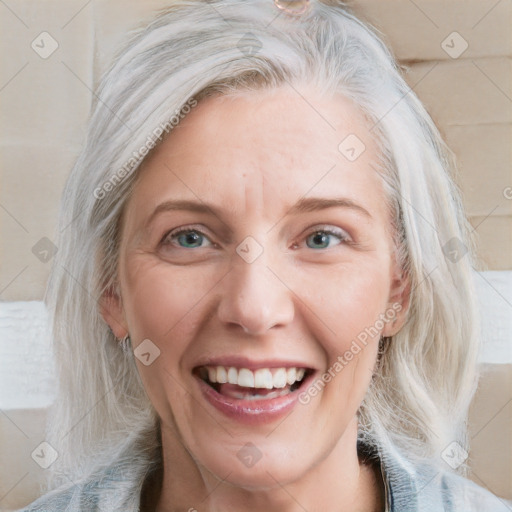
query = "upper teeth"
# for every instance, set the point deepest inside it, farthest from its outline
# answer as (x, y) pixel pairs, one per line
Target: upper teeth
(262, 378)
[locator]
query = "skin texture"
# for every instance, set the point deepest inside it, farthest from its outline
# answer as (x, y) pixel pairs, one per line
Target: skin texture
(252, 156)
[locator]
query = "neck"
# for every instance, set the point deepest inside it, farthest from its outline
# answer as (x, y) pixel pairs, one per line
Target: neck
(338, 481)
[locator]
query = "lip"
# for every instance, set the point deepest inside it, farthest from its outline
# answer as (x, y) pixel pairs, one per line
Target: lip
(253, 412)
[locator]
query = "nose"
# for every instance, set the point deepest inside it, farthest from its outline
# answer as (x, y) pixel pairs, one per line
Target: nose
(255, 298)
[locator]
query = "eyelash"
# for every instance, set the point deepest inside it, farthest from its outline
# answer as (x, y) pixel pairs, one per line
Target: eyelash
(343, 237)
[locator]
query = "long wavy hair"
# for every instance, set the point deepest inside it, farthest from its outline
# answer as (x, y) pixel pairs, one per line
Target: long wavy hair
(419, 396)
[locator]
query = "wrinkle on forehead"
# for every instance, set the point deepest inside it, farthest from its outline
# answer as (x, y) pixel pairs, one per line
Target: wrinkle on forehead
(252, 154)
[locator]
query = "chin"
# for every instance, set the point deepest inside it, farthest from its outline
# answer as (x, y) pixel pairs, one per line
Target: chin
(268, 472)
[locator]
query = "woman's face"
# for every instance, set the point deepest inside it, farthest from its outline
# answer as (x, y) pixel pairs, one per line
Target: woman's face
(256, 247)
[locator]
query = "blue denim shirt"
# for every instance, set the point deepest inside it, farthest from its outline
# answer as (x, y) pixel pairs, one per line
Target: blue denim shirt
(409, 488)
(432, 488)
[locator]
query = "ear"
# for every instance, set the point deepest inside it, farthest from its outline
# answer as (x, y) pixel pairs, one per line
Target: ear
(398, 303)
(112, 311)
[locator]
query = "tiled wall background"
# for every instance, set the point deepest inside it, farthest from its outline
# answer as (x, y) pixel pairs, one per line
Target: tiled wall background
(45, 104)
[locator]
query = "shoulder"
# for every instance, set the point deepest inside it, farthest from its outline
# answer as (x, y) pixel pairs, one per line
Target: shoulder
(106, 488)
(68, 499)
(100, 494)
(459, 493)
(428, 487)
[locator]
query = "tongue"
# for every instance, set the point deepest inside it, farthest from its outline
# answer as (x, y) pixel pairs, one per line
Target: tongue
(235, 391)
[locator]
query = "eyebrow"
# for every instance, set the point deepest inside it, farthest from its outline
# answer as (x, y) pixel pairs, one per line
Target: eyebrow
(304, 205)
(312, 204)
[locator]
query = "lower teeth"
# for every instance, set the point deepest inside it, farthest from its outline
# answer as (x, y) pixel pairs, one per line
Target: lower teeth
(251, 396)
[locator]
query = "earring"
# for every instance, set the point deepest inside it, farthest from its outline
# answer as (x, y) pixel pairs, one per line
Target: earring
(124, 343)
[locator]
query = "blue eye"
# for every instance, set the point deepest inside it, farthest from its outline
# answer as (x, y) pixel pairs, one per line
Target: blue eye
(187, 238)
(321, 239)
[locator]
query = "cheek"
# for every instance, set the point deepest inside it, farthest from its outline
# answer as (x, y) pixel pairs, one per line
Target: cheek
(163, 303)
(347, 300)
(349, 303)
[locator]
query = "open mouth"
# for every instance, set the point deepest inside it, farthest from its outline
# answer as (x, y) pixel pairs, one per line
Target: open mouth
(260, 384)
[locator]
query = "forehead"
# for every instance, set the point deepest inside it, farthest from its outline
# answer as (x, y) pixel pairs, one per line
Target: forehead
(264, 149)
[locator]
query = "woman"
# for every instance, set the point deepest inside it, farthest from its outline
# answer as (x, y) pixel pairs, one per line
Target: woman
(252, 305)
